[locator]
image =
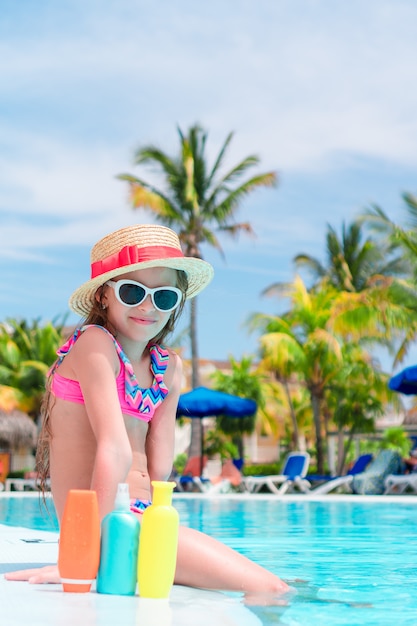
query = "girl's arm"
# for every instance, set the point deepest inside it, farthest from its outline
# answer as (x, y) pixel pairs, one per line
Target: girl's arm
(161, 434)
(96, 366)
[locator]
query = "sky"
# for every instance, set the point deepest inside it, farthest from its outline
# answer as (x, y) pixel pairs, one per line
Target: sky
(324, 92)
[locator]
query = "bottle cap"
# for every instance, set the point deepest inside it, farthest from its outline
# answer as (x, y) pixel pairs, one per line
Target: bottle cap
(162, 491)
(122, 501)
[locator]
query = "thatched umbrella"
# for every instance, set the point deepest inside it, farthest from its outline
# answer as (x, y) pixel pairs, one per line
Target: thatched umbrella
(17, 430)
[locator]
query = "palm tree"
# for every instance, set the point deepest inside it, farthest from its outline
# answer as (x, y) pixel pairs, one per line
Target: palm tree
(399, 237)
(198, 201)
(313, 341)
(379, 268)
(385, 314)
(356, 397)
(26, 354)
(402, 238)
(353, 264)
(299, 343)
(282, 365)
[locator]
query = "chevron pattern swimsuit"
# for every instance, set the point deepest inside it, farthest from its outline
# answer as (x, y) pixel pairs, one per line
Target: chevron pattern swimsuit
(134, 401)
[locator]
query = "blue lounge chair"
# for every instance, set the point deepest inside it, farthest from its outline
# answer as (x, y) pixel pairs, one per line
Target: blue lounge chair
(192, 478)
(372, 480)
(343, 482)
(293, 476)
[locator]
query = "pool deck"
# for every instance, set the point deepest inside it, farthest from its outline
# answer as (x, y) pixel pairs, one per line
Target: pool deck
(42, 605)
(22, 603)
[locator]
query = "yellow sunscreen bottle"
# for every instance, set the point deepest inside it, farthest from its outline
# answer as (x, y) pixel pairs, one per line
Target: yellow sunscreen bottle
(158, 543)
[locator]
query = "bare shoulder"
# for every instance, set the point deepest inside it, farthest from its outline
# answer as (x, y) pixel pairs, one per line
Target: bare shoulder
(97, 338)
(92, 346)
(174, 358)
(173, 376)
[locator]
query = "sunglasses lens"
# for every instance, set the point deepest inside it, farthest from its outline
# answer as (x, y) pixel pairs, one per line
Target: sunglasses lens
(131, 294)
(165, 299)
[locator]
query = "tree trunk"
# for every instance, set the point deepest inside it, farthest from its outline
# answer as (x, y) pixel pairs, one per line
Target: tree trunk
(340, 450)
(195, 374)
(196, 424)
(346, 448)
(315, 402)
(238, 442)
(295, 433)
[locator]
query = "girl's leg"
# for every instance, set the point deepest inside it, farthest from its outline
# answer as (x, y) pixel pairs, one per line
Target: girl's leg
(202, 562)
(205, 562)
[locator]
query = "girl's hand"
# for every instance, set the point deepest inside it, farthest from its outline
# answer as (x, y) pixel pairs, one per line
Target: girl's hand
(37, 576)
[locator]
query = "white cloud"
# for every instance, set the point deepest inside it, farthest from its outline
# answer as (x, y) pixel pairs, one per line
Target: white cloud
(296, 87)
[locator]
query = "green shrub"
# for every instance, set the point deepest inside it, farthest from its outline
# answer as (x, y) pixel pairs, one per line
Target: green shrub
(180, 462)
(216, 442)
(395, 438)
(16, 474)
(262, 469)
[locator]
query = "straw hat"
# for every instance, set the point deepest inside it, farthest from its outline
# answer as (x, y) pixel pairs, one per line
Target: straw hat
(135, 248)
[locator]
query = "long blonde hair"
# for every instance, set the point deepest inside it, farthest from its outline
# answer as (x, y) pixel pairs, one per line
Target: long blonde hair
(97, 316)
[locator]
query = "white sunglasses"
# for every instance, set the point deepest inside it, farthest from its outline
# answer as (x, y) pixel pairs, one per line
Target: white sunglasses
(132, 293)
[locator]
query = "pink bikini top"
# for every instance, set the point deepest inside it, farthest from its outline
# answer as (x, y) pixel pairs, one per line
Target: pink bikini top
(140, 403)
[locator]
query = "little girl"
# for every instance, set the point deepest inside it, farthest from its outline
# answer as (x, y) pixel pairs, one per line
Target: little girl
(110, 407)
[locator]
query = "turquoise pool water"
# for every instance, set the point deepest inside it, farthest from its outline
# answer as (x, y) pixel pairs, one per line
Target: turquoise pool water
(351, 561)
(28, 511)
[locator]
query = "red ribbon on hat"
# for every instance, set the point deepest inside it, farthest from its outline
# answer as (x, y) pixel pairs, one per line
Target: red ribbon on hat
(129, 255)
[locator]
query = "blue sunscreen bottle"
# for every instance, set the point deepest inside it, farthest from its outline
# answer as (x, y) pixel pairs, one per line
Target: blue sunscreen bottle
(117, 572)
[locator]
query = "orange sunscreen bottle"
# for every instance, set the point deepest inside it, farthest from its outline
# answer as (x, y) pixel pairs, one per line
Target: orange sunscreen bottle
(79, 541)
(158, 543)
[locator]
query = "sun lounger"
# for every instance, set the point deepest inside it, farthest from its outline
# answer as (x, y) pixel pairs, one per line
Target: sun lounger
(24, 484)
(343, 482)
(21, 484)
(292, 477)
(400, 483)
(371, 481)
(191, 483)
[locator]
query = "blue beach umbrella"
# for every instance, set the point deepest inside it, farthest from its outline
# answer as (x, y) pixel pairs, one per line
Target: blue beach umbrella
(203, 402)
(405, 381)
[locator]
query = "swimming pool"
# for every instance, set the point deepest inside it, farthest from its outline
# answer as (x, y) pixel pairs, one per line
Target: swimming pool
(352, 560)
(28, 511)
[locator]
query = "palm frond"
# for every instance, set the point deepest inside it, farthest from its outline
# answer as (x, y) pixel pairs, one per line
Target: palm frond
(325, 341)
(375, 217)
(267, 323)
(279, 290)
(282, 352)
(314, 266)
(154, 156)
(219, 160)
(239, 169)
(235, 229)
(225, 208)
(411, 205)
